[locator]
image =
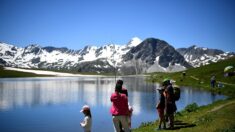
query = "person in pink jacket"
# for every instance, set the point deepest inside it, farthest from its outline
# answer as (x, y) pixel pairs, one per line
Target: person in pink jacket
(119, 109)
(124, 91)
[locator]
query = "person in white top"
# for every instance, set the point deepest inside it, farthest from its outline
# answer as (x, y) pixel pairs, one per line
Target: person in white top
(87, 122)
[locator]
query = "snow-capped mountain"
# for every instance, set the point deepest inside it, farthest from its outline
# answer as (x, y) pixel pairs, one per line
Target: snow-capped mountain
(134, 42)
(153, 55)
(135, 57)
(198, 56)
(88, 59)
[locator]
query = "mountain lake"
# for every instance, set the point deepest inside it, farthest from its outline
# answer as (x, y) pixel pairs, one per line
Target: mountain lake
(53, 104)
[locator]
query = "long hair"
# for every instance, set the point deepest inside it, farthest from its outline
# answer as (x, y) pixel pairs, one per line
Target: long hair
(118, 88)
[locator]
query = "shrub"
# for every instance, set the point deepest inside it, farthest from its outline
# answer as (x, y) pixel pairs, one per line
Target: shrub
(191, 107)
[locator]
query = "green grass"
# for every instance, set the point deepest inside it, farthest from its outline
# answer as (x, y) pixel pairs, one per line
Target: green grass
(13, 74)
(203, 74)
(203, 118)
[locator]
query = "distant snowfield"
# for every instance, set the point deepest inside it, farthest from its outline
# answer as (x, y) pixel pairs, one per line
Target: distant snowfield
(42, 72)
(61, 74)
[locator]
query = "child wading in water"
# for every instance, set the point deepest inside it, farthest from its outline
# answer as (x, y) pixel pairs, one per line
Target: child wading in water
(160, 108)
(86, 124)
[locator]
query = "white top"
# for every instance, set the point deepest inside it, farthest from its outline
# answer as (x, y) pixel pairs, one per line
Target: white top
(86, 124)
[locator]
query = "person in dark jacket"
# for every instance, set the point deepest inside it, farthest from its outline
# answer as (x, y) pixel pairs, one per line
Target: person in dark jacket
(170, 106)
(213, 81)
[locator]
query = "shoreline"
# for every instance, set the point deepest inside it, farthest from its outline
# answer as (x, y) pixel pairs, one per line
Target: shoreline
(44, 72)
(218, 116)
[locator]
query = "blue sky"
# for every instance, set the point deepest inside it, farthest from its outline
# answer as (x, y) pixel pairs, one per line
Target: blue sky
(74, 24)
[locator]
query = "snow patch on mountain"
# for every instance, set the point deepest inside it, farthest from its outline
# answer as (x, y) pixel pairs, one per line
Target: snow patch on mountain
(199, 56)
(171, 68)
(135, 57)
(134, 42)
(35, 56)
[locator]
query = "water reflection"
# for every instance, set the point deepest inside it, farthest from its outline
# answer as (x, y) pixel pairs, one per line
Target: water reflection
(31, 92)
(93, 91)
(22, 94)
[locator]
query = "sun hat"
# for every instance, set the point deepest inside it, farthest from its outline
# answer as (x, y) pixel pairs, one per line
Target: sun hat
(160, 88)
(166, 79)
(85, 107)
(165, 82)
(172, 81)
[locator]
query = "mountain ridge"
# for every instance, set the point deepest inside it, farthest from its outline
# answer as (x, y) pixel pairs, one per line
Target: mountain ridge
(135, 57)
(199, 56)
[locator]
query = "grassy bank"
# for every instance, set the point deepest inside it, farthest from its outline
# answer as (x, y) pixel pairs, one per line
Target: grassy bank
(200, 77)
(218, 116)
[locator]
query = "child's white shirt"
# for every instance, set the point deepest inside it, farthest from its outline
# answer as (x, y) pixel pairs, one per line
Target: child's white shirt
(86, 124)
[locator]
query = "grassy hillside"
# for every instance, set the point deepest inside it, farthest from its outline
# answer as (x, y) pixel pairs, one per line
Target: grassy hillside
(218, 116)
(200, 77)
(11, 74)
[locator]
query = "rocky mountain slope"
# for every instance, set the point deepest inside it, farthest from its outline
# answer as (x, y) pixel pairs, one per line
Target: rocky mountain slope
(198, 56)
(135, 57)
(88, 59)
(153, 55)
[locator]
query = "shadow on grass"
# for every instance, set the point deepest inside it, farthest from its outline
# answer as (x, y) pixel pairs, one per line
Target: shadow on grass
(180, 124)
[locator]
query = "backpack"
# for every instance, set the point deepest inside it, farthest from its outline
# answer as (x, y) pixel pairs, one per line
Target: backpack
(176, 92)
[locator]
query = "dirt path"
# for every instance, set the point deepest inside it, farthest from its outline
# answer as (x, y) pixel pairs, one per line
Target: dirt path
(226, 83)
(195, 78)
(221, 106)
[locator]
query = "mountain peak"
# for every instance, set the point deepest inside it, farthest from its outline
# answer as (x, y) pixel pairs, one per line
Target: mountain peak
(149, 55)
(153, 55)
(193, 47)
(134, 42)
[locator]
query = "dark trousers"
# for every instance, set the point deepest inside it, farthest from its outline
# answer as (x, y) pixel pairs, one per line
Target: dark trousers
(212, 83)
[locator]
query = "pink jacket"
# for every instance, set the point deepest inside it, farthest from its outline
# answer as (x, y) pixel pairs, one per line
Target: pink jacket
(119, 104)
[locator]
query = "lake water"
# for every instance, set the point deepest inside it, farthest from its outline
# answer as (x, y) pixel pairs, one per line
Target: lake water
(53, 104)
